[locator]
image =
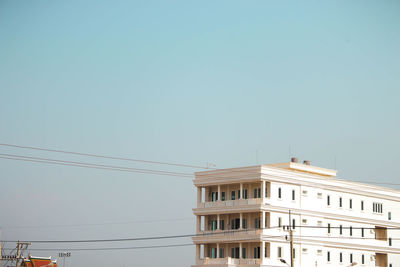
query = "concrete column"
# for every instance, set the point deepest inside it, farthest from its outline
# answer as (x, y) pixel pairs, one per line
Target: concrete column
(263, 219)
(219, 193)
(198, 196)
(218, 226)
(241, 221)
(263, 190)
(262, 252)
(198, 223)
(240, 251)
(198, 253)
(241, 190)
(217, 250)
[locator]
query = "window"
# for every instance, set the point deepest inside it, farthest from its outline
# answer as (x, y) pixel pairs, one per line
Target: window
(257, 192)
(390, 241)
(305, 250)
(223, 196)
(377, 207)
(257, 252)
(362, 259)
(362, 232)
(304, 221)
(233, 195)
(329, 228)
(340, 202)
(319, 195)
(293, 224)
(350, 203)
(257, 223)
(243, 253)
(221, 253)
(362, 205)
(213, 225)
(389, 216)
(266, 190)
(266, 252)
(294, 253)
(340, 257)
(279, 192)
(280, 252)
(244, 223)
(222, 224)
(213, 253)
(304, 192)
(293, 195)
(279, 221)
(341, 229)
(245, 193)
(328, 256)
(319, 251)
(351, 257)
(328, 200)
(214, 196)
(238, 194)
(351, 230)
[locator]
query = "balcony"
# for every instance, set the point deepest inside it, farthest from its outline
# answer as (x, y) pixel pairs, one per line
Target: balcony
(231, 203)
(229, 261)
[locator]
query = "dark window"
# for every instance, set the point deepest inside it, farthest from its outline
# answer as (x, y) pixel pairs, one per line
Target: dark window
(328, 256)
(389, 216)
(362, 205)
(293, 195)
(279, 222)
(340, 229)
(340, 257)
(340, 202)
(329, 228)
(390, 241)
(294, 224)
(221, 252)
(257, 252)
(238, 194)
(245, 194)
(294, 253)
(362, 232)
(328, 200)
(244, 223)
(351, 257)
(362, 259)
(233, 195)
(243, 253)
(351, 230)
(279, 192)
(223, 196)
(351, 203)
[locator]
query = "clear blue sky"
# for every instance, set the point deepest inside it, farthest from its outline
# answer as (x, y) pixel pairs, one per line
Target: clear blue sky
(190, 82)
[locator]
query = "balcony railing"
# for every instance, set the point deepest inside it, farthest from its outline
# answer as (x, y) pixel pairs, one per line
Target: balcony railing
(232, 203)
(229, 260)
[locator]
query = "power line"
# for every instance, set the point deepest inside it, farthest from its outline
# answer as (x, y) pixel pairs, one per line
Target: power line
(98, 224)
(180, 236)
(103, 156)
(126, 169)
(134, 238)
(108, 248)
(92, 165)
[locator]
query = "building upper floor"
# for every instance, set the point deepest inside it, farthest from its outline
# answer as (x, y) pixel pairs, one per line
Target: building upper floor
(294, 186)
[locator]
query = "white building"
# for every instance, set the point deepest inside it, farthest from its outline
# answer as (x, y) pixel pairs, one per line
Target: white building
(241, 213)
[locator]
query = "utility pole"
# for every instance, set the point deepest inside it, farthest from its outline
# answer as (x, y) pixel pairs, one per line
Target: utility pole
(291, 239)
(20, 247)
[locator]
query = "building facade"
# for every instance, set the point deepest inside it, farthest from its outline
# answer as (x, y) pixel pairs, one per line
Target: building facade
(242, 218)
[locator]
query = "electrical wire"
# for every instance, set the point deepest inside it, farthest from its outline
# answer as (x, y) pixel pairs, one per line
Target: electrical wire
(92, 165)
(103, 156)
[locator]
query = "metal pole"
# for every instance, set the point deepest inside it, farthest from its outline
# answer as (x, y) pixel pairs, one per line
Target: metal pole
(291, 239)
(18, 253)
